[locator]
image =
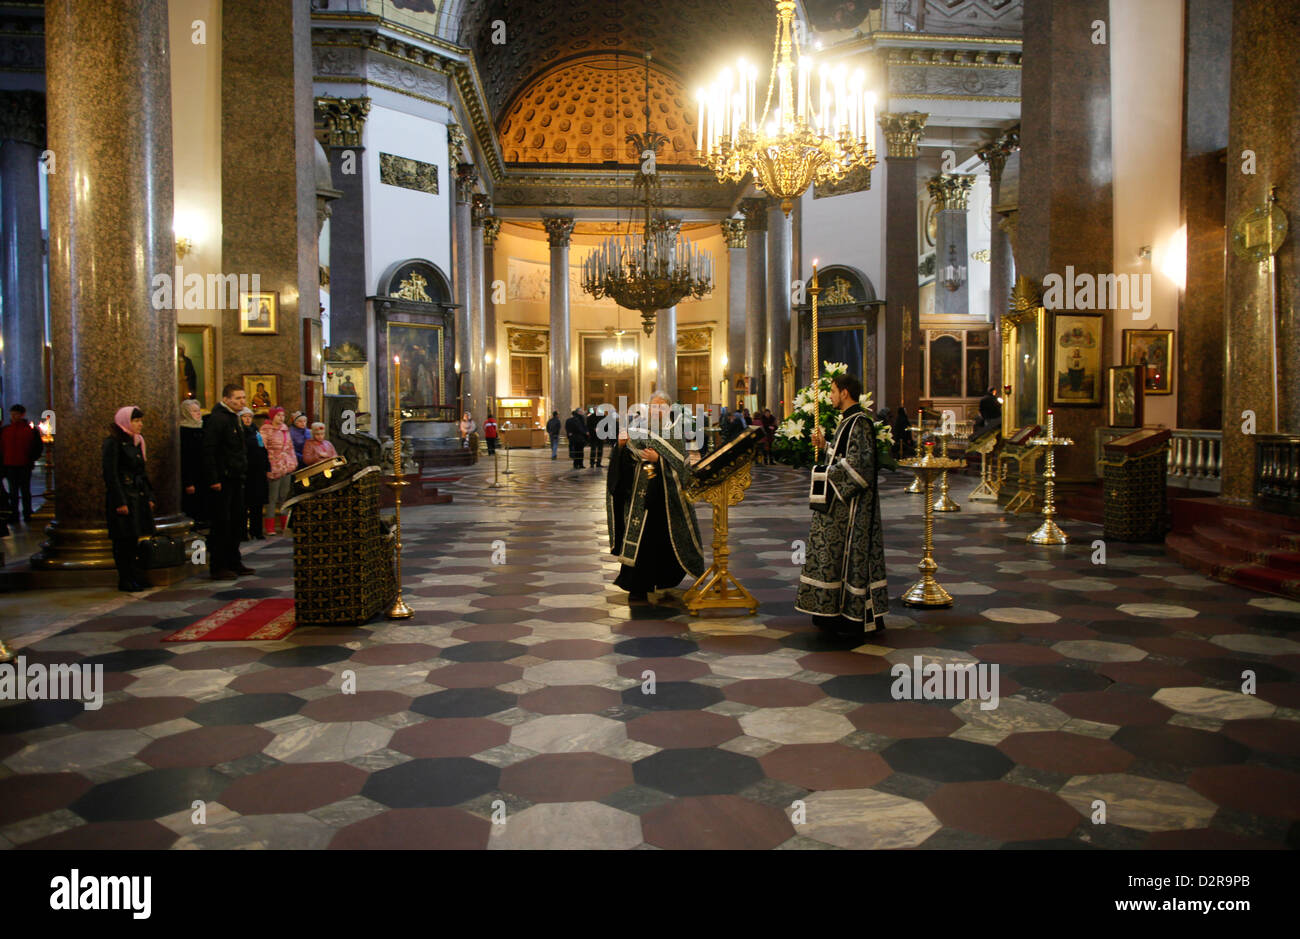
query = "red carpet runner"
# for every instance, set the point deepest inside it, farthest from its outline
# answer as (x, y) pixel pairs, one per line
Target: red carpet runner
(242, 619)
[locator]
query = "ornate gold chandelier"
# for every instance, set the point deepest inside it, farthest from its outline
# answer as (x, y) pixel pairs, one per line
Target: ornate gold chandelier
(655, 269)
(822, 126)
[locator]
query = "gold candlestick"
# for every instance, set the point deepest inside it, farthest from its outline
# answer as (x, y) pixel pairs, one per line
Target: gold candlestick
(1049, 532)
(943, 503)
(916, 488)
(926, 591)
(399, 609)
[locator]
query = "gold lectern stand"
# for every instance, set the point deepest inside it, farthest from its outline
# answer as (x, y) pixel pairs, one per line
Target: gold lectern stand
(721, 481)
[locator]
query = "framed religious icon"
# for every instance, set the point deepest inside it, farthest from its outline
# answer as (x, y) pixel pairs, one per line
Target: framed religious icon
(1076, 359)
(262, 391)
(1124, 394)
(420, 346)
(1153, 351)
(1024, 353)
(349, 378)
(313, 352)
(196, 373)
(259, 313)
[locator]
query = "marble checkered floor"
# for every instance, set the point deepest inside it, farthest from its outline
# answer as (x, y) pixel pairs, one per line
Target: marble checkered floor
(515, 694)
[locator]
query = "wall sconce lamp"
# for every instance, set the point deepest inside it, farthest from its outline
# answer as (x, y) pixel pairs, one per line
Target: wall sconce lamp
(184, 248)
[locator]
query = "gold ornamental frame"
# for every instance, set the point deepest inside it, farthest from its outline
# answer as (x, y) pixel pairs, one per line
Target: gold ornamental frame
(1026, 308)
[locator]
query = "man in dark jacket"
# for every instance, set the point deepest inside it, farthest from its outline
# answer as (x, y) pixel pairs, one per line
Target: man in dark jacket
(593, 439)
(553, 428)
(576, 430)
(225, 464)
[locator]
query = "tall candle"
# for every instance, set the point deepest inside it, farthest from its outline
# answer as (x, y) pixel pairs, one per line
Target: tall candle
(1051, 424)
(397, 416)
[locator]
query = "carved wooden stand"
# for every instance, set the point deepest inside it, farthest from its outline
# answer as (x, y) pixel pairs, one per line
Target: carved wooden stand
(717, 588)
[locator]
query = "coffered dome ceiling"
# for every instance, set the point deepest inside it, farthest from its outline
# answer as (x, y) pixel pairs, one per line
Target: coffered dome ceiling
(565, 44)
(582, 111)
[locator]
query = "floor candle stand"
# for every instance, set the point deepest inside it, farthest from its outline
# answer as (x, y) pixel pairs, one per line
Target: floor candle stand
(926, 592)
(915, 488)
(1049, 533)
(945, 503)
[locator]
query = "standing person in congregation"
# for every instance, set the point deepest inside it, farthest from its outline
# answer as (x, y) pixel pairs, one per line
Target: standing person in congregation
(553, 430)
(128, 497)
(299, 434)
(256, 486)
(652, 527)
(843, 585)
(769, 435)
(593, 439)
(21, 445)
(317, 447)
(490, 433)
(284, 462)
(575, 428)
(225, 463)
(192, 461)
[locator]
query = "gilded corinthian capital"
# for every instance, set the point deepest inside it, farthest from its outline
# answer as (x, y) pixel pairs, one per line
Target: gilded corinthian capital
(342, 120)
(733, 230)
(755, 212)
(491, 228)
(950, 191)
(559, 229)
(903, 132)
(996, 151)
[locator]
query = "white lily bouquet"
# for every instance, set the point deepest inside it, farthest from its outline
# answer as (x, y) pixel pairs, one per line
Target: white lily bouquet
(793, 444)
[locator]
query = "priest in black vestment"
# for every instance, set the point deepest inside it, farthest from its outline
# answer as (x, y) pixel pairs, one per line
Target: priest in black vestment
(652, 525)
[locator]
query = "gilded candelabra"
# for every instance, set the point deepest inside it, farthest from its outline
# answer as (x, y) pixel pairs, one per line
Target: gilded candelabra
(915, 487)
(926, 591)
(944, 503)
(1049, 532)
(399, 609)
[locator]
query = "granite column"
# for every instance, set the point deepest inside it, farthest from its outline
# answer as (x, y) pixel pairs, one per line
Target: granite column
(733, 232)
(491, 228)
(110, 234)
(1001, 266)
(22, 272)
(1066, 197)
(1260, 323)
(779, 247)
(344, 120)
(755, 211)
(477, 335)
(463, 229)
(904, 353)
(559, 232)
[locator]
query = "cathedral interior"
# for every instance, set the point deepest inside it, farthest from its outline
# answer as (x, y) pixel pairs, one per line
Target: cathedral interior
(1052, 240)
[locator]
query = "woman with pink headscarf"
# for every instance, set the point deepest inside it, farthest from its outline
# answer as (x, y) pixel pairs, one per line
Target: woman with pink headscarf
(128, 497)
(284, 462)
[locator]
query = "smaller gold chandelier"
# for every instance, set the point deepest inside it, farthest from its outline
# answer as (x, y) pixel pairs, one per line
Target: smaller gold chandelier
(618, 357)
(797, 142)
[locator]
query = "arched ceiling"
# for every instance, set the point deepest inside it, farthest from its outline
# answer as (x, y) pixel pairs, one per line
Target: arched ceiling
(689, 39)
(582, 110)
